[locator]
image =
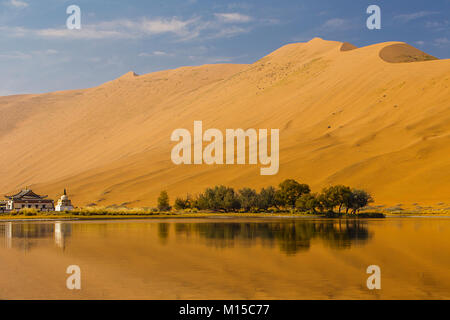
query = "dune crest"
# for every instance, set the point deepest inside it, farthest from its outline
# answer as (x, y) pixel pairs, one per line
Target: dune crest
(345, 117)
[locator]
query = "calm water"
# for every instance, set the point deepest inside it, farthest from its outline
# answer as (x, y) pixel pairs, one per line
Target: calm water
(226, 258)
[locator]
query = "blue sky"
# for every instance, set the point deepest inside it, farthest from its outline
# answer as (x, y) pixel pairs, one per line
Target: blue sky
(39, 54)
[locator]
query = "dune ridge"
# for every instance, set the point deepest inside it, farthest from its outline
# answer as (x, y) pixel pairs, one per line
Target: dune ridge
(346, 115)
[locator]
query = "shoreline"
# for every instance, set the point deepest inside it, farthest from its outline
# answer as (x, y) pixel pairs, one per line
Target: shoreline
(69, 217)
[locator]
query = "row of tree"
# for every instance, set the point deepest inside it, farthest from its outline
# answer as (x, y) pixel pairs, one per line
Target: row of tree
(290, 195)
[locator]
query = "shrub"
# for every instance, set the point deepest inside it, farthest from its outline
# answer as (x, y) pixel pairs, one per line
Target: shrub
(163, 201)
(29, 212)
(183, 204)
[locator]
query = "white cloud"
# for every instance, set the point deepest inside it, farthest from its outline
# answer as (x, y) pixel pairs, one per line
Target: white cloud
(15, 55)
(88, 32)
(127, 29)
(229, 32)
(335, 23)
(18, 55)
(156, 53)
(160, 53)
(117, 29)
(48, 52)
(224, 25)
(233, 17)
(413, 16)
(437, 25)
(17, 3)
(442, 42)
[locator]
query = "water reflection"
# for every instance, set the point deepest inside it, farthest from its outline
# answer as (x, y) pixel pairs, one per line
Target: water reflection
(25, 236)
(163, 232)
(290, 236)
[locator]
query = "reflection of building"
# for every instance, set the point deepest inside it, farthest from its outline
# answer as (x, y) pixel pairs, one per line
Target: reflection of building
(28, 235)
(59, 235)
(28, 199)
(3, 206)
(64, 204)
(8, 234)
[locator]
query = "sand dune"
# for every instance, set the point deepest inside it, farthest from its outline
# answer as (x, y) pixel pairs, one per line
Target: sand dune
(346, 115)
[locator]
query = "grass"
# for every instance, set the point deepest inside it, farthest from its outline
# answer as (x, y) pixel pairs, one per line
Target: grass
(401, 211)
(97, 213)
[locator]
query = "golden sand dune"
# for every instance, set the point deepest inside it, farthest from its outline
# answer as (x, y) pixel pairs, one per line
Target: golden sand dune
(346, 115)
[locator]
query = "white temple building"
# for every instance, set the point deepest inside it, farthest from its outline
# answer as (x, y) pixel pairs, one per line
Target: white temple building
(27, 199)
(64, 204)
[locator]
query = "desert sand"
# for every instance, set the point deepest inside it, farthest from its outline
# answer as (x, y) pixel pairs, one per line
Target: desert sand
(376, 117)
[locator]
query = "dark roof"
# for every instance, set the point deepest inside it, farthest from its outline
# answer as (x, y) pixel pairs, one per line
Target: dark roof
(24, 195)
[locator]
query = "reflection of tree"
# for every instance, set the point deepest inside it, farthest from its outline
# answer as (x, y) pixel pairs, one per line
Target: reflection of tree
(163, 231)
(344, 233)
(291, 236)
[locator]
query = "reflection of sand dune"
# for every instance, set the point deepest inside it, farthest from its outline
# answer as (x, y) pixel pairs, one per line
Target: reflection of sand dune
(344, 117)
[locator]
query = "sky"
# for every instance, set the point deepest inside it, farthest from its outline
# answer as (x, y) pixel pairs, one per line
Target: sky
(38, 53)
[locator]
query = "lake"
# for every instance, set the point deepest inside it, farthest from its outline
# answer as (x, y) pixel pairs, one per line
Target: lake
(227, 258)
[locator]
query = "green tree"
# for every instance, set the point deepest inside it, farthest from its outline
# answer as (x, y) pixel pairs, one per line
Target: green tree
(163, 201)
(181, 204)
(290, 190)
(219, 198)
(230, 201)
(357, 200)
(266, 198)
(307, 202)
(336, 196)
(248, 199)
(324, 203)
(205, 200)
(341, 194)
